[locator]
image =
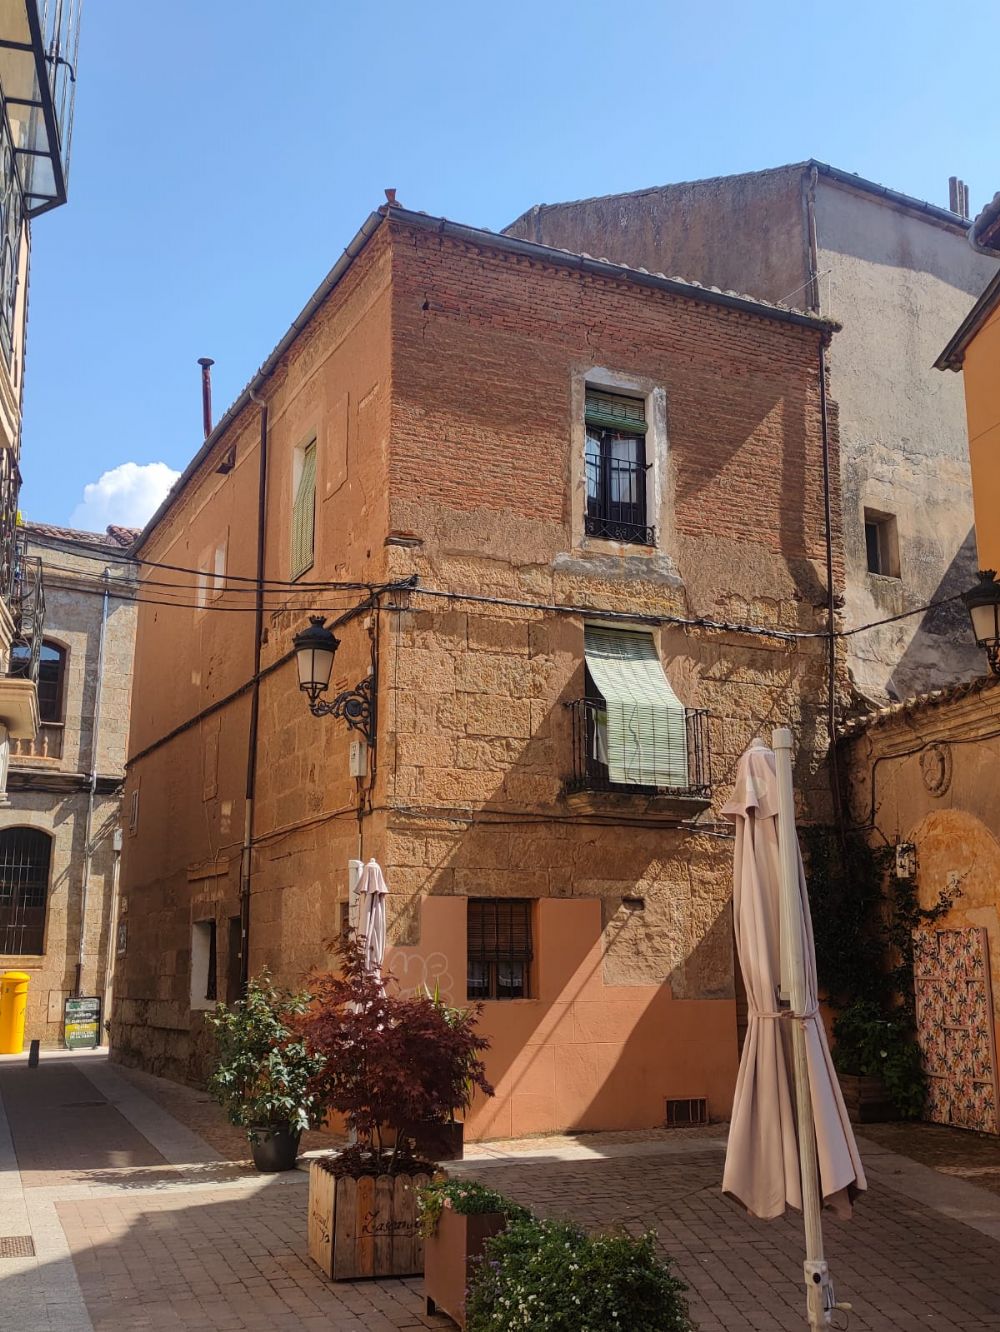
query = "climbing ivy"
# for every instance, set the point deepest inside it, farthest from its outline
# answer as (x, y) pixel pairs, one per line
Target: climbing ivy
(863, 921)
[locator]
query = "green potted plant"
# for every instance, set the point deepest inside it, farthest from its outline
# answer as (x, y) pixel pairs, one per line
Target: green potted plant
(457, 1217)
(879, 1063)
(388, 1063)
(263, 1072)
(551, 1274)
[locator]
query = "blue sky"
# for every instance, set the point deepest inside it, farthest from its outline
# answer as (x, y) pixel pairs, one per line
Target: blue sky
(225, 152)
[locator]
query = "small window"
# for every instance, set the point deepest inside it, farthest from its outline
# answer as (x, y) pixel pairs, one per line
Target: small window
(51, 676)
(304, 509)
(881, 544)
(203, 964)
(211, 581)
(133, 811)
(500, 950)
(24, 889)
(616, 469)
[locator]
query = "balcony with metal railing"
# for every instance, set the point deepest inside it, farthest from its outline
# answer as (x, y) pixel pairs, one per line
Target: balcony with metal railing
(654, 776)
(39, 43)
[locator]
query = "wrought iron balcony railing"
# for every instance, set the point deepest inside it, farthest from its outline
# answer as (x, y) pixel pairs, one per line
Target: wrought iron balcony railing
(687, 771)
(616, 500)
(27, 605)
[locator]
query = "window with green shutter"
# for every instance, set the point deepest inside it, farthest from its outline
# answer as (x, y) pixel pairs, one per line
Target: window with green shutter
(304, 512)
(640, 732)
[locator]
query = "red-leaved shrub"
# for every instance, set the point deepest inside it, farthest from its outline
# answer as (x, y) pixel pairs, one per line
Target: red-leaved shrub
(389, 1060)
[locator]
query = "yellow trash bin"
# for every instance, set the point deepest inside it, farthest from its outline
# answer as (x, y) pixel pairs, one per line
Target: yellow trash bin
(13, 1005)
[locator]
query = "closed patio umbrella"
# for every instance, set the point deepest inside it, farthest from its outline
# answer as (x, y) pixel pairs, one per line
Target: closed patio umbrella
(790, 1140)
(372, 892)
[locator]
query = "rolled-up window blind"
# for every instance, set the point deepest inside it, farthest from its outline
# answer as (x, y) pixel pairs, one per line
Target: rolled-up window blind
(646, 726)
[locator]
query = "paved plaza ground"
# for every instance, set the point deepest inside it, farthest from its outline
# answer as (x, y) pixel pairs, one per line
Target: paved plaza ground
(141, 1214)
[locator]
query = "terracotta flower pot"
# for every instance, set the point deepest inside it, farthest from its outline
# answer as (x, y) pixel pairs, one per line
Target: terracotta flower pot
(449, 1258)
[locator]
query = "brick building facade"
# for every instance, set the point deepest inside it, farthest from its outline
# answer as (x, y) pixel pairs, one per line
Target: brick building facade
(451, 391)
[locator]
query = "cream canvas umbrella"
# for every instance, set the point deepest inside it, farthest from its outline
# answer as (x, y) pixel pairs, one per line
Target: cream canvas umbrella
(790, 1140)
(371, 891)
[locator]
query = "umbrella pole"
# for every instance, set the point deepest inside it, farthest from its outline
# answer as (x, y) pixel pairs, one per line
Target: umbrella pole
(793, 989)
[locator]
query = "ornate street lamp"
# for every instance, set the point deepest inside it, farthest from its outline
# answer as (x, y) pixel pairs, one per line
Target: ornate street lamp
(983, 604)
(315, 649)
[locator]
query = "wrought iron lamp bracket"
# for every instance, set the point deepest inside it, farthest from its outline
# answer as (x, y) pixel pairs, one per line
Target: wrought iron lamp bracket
(355, 706)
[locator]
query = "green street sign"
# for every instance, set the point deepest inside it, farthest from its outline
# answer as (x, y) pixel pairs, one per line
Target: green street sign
(82, 1023)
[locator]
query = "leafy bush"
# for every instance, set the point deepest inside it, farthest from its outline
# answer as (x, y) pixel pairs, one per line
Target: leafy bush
(550, 1275)
(387, 1060)
(264, 1072)
(464, 1196)
(868, 1044)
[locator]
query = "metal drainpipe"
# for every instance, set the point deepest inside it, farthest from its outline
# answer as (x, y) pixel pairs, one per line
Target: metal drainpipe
(831, 699)
(92, 783)
(246, 857)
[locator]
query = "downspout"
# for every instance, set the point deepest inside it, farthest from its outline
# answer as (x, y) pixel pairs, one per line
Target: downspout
(246, 857)
(831, 601)
(92, 782)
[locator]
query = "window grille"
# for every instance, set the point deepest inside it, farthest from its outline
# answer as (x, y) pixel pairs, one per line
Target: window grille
(687, 1111)
(499, 948)
(24, 889)
(616, 469)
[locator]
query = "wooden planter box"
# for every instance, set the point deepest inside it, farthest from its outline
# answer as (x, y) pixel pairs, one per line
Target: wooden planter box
(438, 1142)
(364, 1227)
(866, 1099)
(449, 1255)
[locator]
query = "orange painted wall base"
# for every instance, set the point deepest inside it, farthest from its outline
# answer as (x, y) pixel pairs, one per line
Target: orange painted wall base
(583, 1054)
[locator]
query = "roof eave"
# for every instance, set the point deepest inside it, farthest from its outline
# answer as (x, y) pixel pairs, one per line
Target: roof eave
(953, 356)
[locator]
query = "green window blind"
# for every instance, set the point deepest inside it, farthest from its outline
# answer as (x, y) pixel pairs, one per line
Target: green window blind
(644, 740)
(304, 513)
(607, 411)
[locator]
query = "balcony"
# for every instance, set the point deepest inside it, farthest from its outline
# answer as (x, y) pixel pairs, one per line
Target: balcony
(656, 778)
(38, 51)
(47, 744)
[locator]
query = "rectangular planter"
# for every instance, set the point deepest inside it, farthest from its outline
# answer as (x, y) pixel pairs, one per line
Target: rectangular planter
(449, 1255)
(364, 1227)
(866, 1099)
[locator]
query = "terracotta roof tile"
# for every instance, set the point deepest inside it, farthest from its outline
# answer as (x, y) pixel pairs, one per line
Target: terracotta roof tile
(934, 698)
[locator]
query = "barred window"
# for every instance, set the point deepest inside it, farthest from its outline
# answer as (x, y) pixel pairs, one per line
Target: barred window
(616, 469)
(500, 950)
(24, 889)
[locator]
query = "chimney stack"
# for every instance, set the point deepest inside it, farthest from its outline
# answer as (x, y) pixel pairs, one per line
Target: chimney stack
(958, 197)
(206, 364)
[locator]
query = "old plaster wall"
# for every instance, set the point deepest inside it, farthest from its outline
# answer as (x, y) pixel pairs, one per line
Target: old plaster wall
(48, 778)
(900, 281)
(929, 777)
(900, 284)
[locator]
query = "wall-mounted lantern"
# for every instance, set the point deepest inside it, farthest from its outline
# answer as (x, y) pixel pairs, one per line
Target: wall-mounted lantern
(315, 649)
(983, 604)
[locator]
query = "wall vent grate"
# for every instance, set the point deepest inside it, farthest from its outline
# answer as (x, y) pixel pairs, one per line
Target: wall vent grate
(686, 1111)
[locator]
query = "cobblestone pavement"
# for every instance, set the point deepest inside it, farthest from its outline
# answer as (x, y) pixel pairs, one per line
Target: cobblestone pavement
(143, 1217)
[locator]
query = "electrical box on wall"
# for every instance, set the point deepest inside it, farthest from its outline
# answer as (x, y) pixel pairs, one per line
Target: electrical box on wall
(359, 758)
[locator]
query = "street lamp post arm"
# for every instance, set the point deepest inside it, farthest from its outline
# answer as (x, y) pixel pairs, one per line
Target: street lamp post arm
(355, 706)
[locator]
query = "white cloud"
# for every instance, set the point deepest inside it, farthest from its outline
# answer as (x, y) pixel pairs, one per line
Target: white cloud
(128, 495)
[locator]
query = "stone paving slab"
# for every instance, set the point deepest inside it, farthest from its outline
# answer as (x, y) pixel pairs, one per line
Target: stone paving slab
(63, 1127)
(902, 1265)
(221, 1261)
